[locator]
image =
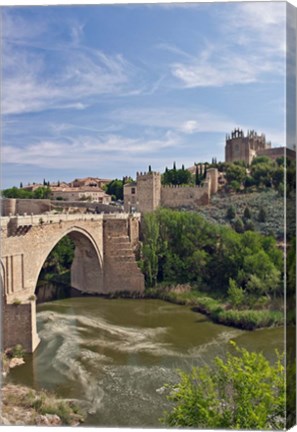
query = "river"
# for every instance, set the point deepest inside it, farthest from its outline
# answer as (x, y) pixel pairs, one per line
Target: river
(115, 355)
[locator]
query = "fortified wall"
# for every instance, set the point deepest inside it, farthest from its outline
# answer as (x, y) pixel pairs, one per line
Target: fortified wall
(15, 206)
(147, 193)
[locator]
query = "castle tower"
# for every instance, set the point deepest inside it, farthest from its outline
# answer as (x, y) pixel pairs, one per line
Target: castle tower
(212, 175)
(244, 148)
(148, 191)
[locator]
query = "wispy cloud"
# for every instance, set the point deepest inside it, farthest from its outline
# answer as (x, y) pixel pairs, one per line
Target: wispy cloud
(183, 120)
(87, 150)
(253, 48)
(79, 75)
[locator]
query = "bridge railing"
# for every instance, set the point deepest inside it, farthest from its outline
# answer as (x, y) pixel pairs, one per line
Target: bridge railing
(49, 218)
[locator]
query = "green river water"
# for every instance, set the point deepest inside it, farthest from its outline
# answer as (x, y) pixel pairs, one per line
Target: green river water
(114, 355)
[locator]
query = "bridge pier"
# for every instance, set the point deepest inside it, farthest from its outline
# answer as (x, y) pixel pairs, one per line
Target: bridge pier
(19, 326)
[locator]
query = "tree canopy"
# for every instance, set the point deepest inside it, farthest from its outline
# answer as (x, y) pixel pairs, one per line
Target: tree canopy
(182, 247)
(244, 391)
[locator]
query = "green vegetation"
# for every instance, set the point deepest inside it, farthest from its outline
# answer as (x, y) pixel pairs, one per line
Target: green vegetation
(176, 176)
(244, 391)
(235, 278)
(263, 173)
(26, 406)
(43, 192)
(115, 188)
(59, 261)
(224, 208)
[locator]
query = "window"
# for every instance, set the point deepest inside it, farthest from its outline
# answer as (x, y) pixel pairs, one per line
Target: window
(133, 191)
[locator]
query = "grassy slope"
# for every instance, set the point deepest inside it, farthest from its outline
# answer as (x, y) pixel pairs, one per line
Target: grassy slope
(270, 200)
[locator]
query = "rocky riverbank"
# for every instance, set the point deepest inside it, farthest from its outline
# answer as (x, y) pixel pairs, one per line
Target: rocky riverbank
(24, 406)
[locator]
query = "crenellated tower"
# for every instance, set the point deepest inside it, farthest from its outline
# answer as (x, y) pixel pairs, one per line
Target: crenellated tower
(148, 191)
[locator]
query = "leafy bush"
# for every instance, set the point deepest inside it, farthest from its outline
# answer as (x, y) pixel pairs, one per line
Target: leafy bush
(235, 294)
(244, 391)
(262, 215)
(231, 213)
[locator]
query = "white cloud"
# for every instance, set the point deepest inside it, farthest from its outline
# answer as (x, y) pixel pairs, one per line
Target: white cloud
(251, 47)
(76, 77)
(86, 151)
(182, 120)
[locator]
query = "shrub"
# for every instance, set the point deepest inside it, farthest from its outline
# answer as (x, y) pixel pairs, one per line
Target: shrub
(249, 225)
(235, 294)
(231, 213)
(262, 215)
(244, 391)
(238, 225)
(16, 301)
(18, 351)
(247, 213)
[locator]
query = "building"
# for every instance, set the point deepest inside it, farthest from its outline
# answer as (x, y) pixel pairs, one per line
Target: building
(92, 194)
(244, 148)
(147, 193)
(89, 182)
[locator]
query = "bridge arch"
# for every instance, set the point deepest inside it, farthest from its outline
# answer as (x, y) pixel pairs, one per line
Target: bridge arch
(87, 266)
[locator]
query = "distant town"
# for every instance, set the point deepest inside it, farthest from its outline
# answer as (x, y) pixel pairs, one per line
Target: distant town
(151, 189)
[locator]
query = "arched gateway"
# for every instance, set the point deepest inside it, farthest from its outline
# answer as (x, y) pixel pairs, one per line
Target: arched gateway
(104, 262)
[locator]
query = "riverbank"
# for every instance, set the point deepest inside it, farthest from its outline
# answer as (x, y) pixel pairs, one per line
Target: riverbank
(22, 406)
(217, 310)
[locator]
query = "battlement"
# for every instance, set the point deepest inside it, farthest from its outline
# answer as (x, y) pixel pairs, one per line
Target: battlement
(146, 174)
(186, 186)
(239, 133)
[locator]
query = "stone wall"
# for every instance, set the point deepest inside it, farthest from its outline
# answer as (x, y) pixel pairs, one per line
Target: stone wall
(185, 196)
(22, 206)
(83, 207)
(12, 206)
(19, 326)
(277, 152)
(121, 270)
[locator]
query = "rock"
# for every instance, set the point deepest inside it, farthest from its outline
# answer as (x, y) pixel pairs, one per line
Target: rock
(16, 362)
(48, 420)
(161, 390)
(4, 421)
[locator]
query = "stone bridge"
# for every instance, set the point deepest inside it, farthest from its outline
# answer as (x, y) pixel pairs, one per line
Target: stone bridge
(104, 262)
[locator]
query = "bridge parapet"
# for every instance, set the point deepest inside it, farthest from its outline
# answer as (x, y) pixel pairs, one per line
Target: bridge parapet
(49, 218)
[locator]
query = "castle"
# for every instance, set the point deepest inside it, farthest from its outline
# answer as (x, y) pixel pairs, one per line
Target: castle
(147, 193)
(244, 148)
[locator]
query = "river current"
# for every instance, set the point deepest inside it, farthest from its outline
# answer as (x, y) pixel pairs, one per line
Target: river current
(115, 355)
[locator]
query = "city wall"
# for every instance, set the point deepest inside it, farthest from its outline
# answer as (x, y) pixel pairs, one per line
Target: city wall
(185, 196)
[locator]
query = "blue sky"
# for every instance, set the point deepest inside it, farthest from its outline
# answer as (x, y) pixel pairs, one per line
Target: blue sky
(107, 90)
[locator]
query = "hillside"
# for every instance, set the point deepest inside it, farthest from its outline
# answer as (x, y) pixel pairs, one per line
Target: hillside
(271, 201)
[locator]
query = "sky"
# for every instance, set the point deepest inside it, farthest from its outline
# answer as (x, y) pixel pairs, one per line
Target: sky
(107, 90)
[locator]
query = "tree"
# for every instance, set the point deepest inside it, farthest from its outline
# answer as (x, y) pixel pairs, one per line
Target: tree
(245, 391)
(150, 249)
(43, 192)
(231, 212)
(247, 213)
(235, 173)
(115, 189)
(235, 294)
(262, 215)
(239, 225)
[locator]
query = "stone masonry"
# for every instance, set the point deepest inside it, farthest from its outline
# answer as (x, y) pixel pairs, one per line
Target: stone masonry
(147, 193)
(104, 262)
